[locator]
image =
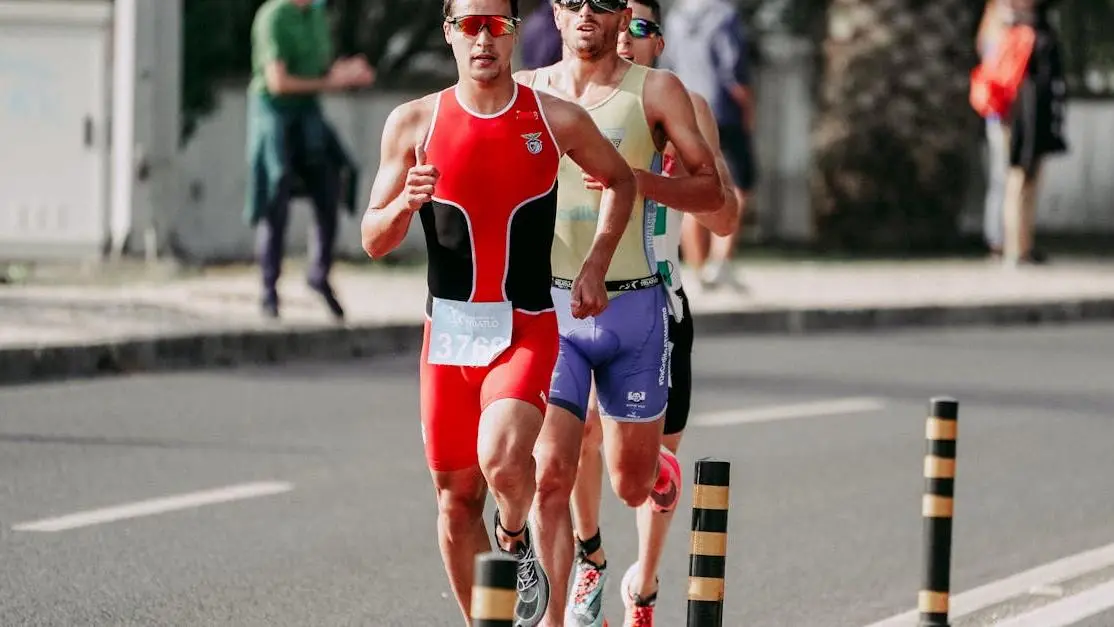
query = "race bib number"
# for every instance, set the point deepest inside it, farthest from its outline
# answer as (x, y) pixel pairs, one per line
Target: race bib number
(468, 334)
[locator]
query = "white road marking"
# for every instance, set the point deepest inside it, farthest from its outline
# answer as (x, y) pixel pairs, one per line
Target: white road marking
(1068, 611)
(1005, 589)
(786, 412)
(156, 506)
(1047, 591)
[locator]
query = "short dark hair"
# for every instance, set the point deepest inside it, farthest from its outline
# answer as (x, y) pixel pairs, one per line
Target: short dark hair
(654, 6)
(447, 8)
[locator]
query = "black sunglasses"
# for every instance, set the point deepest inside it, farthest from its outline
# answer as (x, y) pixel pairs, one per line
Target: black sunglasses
(641, 28)
(598, 6)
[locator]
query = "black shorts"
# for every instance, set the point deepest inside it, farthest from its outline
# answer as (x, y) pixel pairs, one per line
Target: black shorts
(680, 369)
(735, 144)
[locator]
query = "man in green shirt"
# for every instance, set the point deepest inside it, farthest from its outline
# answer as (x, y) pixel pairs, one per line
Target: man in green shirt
(292, 150)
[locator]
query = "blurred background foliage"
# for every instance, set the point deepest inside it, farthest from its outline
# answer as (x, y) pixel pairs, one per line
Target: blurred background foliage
(893, 139)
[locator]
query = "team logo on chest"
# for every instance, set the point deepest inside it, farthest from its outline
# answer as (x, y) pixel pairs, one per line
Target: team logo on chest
(533, 142)
(616, 135)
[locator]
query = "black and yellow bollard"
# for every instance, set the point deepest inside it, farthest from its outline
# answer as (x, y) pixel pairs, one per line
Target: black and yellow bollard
(493, 591)
(937, 508)
(708, 555)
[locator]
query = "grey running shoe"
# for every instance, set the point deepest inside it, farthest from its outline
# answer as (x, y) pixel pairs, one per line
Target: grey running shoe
(585, 608)
(533, 584)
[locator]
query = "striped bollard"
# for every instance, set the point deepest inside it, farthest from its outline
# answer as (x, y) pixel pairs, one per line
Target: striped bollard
(493, 592)
(708, 556)
(937, 508)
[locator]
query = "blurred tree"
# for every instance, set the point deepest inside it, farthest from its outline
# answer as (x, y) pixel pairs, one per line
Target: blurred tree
(799, 17)
(217, 44)
(1088, 46)
(391, 34)
(895, 137)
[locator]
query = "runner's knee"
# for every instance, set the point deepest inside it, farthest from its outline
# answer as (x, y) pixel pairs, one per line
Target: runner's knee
(558, 455)
(460, 502)
(631, 487)
(633, 468)
(506, 475)
(556, 477)
(508, 431)
(593, 434)
(506, 467)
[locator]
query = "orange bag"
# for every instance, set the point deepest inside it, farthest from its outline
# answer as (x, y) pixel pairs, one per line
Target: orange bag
(994, 83)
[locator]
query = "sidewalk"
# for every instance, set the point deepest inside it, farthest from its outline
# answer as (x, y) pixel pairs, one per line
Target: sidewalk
(51, 330)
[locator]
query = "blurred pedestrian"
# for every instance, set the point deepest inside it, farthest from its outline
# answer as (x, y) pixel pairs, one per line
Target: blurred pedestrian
(292, 150)
(708, 51)
(1022, 81)
(1036, 131)
(991, 29)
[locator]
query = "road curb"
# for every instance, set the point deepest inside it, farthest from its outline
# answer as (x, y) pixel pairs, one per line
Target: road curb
(204, 349)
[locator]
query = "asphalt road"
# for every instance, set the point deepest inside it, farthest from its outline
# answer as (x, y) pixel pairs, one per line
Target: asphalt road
(825, 525)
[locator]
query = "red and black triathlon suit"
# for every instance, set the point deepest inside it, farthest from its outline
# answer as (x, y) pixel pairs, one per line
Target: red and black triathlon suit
(488, 235)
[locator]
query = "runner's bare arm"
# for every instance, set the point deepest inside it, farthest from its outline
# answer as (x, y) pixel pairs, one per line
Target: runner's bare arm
(668, 106)
(578, 136)
(399, 186)
(723, 221)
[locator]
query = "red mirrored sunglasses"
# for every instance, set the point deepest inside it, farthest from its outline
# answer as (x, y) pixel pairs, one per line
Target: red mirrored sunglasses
(497, 25)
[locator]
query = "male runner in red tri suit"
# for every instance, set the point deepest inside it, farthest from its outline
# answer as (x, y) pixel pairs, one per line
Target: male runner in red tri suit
(478, 162)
